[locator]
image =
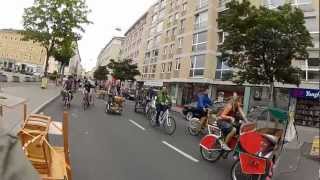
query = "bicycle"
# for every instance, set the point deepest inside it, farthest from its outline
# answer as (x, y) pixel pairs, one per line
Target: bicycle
(66, 99)
(165, 120)
(85, 100)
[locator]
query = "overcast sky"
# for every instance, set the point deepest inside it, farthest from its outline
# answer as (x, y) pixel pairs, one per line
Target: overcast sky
(106, 16)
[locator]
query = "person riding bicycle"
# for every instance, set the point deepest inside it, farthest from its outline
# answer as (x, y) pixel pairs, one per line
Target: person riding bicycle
(162, 103)
(203, 102)
(87, 88)
(68, 86)
(227, 118)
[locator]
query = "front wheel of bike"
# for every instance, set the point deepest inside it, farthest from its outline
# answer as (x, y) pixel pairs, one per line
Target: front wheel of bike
(237, 174)
(211, 155)
(194, 127)
(170, 125)
(152, 115)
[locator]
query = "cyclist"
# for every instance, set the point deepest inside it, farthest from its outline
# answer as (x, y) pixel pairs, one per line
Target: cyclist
(87, 88)
(162, 103)
(202, 104)
(227, 118)
(68, 86)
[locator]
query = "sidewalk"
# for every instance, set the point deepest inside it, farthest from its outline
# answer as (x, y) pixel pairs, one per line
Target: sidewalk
(35, 96)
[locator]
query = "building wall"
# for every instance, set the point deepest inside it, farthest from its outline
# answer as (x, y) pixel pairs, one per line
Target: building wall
(16, 51)
(134, 41)
(111, 51)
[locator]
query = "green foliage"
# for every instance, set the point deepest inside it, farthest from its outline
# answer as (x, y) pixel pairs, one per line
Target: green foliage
(48, 22)
(124, 70)
(64, 51)
(261, 42)
(101, 73)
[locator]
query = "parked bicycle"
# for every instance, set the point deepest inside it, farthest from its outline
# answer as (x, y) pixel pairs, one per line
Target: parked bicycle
(165, 120)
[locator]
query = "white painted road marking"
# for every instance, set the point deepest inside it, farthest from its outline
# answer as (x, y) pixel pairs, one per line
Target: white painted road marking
(138, 125)
(181, 152)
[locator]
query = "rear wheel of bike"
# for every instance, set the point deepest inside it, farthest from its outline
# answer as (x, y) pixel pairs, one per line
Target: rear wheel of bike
(237, 174)
(194, 127)
(211, 155)
(170, 125)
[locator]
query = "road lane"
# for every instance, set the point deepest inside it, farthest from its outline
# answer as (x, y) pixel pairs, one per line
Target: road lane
(106, 146)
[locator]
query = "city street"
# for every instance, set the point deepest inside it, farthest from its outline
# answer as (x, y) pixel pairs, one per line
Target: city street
(124, 147)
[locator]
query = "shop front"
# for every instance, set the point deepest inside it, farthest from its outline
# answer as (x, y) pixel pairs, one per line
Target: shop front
(307, 107)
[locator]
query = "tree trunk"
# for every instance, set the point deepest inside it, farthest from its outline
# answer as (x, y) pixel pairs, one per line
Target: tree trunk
(46, 65)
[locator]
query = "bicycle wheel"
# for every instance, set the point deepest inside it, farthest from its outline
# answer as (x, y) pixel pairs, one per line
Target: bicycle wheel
(153, 116)
(237, 174)
(210, 156)
(170, 125)
(194, 127)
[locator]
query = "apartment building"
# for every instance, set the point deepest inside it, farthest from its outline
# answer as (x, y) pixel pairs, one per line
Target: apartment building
(133, 44)
(110, 51)
(179, 48)
(18, 55)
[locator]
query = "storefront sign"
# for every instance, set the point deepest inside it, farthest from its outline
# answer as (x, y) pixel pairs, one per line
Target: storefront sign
(306, 93)
(153, 83)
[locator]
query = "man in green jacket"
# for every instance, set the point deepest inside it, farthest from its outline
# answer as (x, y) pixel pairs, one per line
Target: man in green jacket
(162, 102)
(14, 165)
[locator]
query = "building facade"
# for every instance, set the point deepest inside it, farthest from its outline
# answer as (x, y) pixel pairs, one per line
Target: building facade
(17, 55)
(180, 48)
(110, 51)
(133, 44)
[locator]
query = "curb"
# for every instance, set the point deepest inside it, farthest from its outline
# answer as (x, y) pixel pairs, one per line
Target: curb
(39, 108)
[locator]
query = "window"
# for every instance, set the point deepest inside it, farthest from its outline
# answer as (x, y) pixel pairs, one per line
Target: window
(169, 66)
(200, 41)
(180, 42)
(178, 64)
(145, 69)
(174, 31)
(176, 16)
(201, 20)
(182, 22)
(167, 33)
(165, 49)
(197, 66)
(273, 3)
(311, 24)
(184, 6)
(160, 27)
(162, 14)
(171, 48)
(163, 67)
(223, 71)
(220, 37)
(202, 3)
(153, 68)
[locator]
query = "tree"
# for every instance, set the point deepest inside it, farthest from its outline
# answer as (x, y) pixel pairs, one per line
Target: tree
(63, 52)
(123, 70)
(101, 73)
(48, 21)
(261, 43)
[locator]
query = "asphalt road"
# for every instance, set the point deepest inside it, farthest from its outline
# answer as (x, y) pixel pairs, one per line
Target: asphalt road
(126, 147)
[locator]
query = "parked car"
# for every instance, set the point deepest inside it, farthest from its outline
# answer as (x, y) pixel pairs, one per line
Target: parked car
(190, 110)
